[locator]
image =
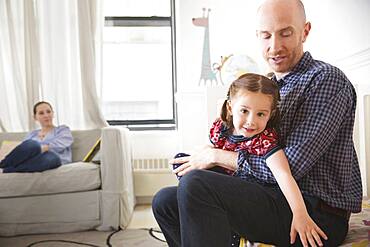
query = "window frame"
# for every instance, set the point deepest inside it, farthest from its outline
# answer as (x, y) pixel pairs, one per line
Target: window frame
(151, 21)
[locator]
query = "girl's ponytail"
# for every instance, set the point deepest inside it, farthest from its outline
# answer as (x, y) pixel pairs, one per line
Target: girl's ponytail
(226, 117)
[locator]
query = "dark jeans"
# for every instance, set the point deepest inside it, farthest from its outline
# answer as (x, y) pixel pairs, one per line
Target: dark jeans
(207, 206)
(235, 238)
(27, 157)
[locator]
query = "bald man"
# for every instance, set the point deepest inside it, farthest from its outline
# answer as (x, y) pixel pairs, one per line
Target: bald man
(317, 117)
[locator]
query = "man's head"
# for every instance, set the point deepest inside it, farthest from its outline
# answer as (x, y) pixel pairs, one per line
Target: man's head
(282, 30)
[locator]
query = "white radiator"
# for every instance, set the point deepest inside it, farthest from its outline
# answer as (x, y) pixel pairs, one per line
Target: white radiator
(151, 165)
(150, 175)
(151, 152)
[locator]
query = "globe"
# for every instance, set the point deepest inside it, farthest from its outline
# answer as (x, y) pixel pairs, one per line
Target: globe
(234, 66)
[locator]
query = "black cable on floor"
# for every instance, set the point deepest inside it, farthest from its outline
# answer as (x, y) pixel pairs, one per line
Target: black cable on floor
(79, 243)
(150, 230)
(151, 233)
(63, 241)
(110, 236)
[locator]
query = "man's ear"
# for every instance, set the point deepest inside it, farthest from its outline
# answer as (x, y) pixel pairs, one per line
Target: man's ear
(306, 31)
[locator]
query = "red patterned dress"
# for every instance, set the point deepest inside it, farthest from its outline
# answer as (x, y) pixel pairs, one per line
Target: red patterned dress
(263, 144)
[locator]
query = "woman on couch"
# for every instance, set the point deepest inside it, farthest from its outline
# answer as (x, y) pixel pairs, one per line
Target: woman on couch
(42, 149)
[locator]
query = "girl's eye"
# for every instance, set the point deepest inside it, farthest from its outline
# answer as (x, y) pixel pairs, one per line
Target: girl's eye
(243, 111)
(260, 114)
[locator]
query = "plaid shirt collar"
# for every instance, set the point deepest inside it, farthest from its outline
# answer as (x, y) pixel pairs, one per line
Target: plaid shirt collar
(299, 68)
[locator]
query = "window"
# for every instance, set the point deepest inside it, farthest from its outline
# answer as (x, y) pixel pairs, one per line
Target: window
(139, 70)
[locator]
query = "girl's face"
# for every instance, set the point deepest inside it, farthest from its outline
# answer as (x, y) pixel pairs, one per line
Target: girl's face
(44, 115)
(250, 111)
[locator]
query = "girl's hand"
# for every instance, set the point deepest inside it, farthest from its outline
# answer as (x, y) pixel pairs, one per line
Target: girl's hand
(307, 229)
(202, 159)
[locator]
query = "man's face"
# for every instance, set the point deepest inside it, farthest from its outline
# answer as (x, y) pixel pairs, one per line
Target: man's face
(281, 33)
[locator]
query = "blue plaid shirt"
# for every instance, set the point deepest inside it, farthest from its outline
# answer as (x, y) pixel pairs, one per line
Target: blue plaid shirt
(317, 108)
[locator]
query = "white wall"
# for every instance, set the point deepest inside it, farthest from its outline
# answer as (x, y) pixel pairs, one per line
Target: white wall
(338, 28)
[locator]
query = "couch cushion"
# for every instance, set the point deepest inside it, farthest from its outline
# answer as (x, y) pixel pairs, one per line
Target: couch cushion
(83, 141)
(12, 136)
(79, 176)
(59, 209)
(6, 147)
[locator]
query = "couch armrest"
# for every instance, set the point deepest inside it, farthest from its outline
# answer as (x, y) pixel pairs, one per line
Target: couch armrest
(118, 198)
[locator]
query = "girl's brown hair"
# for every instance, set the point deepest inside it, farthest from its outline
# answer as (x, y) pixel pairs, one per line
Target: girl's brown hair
(253, 83)
(40, 103)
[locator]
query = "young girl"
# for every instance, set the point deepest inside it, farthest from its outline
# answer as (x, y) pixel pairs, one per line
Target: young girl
(42, 149)
(248, 123)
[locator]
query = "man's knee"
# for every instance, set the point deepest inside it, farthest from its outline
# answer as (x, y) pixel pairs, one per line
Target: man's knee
(192, 183)
(159, 199)
(163, 199)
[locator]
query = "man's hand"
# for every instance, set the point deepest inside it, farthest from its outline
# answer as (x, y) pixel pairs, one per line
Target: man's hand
(309, 233)
(201, 159)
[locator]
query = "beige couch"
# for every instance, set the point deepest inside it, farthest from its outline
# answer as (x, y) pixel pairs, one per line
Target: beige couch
(74, 197)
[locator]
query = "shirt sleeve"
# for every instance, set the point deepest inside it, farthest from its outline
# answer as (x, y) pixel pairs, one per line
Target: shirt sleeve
(314, 128)
(265, 144)
(263, 147)
(215, 133)
(319, 131)
(31, 135)
(62, 139)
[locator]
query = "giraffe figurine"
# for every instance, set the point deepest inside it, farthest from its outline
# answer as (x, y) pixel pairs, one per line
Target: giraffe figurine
(207, 74)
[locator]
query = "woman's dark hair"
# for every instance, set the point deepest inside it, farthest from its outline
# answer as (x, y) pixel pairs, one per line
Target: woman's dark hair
(40, 103)
(253, 83)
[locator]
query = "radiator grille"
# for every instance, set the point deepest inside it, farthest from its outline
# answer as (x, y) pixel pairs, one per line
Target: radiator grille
(151, 165)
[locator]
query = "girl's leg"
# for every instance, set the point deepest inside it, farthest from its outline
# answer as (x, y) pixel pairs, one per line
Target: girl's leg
(24, 151)
(44, 161)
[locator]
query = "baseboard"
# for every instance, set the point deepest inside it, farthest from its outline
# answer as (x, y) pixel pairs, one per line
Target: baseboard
(144, 200)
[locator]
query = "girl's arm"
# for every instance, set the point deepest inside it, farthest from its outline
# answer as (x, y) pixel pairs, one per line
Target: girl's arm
(302, 223)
